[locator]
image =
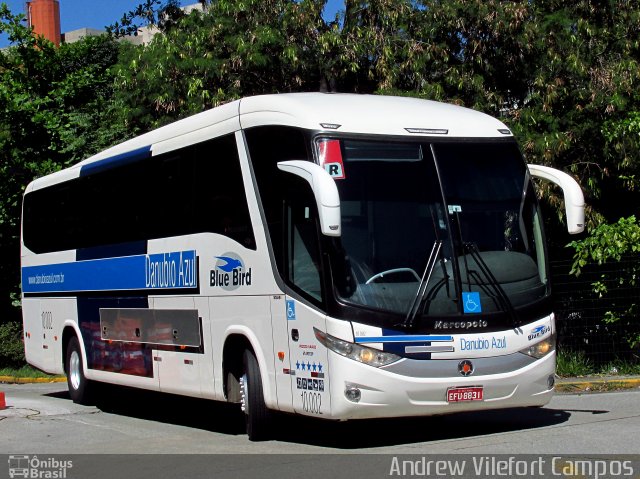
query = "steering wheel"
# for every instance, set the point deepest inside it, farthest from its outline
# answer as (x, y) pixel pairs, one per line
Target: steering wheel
(393, 271)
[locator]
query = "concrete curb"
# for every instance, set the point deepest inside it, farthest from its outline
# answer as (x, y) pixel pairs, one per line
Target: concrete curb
(16, 380)
(596, 384)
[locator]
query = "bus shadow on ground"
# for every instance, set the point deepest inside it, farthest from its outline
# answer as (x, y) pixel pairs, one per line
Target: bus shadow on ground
(226, 418)
(372, 433)
(185, 411)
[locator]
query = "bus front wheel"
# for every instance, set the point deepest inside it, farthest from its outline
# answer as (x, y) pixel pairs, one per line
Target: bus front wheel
(257, 416)
(79, 386)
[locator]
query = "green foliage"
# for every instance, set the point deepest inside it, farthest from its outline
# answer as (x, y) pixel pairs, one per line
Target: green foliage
(24, 372)
(606, 242)
(151, 12)
(623, 368)
(11, 345)
(235, 49)
(576, 364)
(573, 364)
(55, 110)
(611, 242)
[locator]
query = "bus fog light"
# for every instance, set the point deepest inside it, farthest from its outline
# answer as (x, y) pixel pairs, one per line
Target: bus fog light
(551, 381)
(353, 394)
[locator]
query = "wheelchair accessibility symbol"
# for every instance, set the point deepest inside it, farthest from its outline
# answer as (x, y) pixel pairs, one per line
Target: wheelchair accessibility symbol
(471, 303)
(291, 310)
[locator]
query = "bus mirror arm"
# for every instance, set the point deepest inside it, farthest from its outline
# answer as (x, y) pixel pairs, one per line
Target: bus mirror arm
(573, 197)
(324, 190)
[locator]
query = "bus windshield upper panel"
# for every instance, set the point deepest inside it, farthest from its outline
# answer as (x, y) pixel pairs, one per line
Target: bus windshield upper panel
(425, 224)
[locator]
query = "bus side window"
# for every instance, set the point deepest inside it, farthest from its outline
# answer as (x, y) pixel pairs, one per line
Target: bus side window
(269, 145)
(220, 199)
(303, 255)
(195, 189)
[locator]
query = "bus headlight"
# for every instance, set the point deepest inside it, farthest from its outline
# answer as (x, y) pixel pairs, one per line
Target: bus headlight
(542, 348)
(362, 354)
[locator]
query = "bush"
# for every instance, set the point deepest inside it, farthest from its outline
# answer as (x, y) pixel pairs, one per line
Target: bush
(11, 345)
(610, 242)
(573, 363)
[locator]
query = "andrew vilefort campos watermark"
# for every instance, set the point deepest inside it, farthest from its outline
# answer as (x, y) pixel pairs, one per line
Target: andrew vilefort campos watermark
(511, 466)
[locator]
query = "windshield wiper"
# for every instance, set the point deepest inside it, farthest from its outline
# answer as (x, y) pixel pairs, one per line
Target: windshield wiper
(422, 287)
(499, 295)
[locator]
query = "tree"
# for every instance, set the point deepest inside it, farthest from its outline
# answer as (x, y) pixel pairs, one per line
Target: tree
(153, 13)
(588, 82)
(235, 49)
(612, 242)
(55, 110)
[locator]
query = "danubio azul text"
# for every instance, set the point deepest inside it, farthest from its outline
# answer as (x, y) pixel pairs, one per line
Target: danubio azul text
(480, 344)
(171, 270)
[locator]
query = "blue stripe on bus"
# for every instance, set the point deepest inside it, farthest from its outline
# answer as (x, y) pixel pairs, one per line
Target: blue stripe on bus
(401, 339)
(176, 270)
(117, 160)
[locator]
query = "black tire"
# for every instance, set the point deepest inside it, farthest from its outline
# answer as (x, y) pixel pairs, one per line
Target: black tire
(79, 386)
(258, 417)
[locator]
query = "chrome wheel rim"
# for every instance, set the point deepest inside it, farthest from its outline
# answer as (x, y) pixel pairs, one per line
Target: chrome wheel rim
(74, 369)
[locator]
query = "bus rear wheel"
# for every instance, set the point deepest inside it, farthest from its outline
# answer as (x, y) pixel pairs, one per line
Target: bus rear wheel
(79, 385)
(257, 416)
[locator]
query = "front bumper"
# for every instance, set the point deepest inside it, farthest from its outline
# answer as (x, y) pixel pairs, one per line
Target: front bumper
(386, 394)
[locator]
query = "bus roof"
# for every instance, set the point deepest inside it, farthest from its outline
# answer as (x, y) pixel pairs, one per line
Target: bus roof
(368, 114)
(330, 112)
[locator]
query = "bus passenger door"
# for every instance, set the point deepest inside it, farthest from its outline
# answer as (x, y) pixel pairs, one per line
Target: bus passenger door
(281, 352)
(303, 271)
(309, 386)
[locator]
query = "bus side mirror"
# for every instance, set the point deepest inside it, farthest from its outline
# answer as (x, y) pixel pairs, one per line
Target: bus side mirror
(324, 190)
(573, 197)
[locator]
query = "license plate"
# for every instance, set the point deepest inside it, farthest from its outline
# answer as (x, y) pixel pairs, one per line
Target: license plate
(474, 393)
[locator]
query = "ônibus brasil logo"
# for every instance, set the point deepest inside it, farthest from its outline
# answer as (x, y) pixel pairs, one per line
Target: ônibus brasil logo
(230, 272)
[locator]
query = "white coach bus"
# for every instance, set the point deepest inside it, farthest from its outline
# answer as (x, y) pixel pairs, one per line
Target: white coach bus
(337, 256)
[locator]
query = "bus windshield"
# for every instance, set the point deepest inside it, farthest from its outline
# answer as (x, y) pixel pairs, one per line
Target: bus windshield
(437, 229)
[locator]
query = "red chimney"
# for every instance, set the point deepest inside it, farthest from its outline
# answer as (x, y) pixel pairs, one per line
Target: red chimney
(44, 17)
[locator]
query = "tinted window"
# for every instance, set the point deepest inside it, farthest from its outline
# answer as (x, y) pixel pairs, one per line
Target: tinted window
(289, 207)
(268, 146)
(194, 190)
(302, 243)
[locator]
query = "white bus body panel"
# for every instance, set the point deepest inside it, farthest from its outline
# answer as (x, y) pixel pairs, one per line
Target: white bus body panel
(44, 321)
(309, 362)
(386, 393)
(369, 114)
(282, 355)
(389, 395)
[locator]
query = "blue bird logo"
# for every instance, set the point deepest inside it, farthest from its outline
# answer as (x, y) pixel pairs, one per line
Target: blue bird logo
(230, 264)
